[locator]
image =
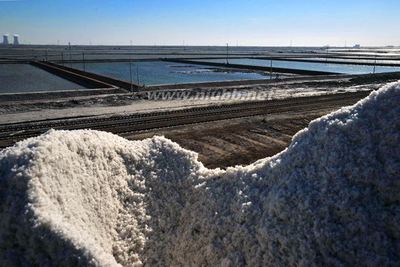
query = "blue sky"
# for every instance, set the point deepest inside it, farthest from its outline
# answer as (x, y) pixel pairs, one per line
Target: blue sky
(203, 22)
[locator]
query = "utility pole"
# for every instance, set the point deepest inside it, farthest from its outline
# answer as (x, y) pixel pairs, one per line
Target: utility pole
(227, 53)
(84, 63)
(270, 71)
(137, 74)
(70, 56)
(130, 74)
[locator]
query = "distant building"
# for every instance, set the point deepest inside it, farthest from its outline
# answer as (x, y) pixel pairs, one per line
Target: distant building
(5, 39)
(16, 39)
(357, 46)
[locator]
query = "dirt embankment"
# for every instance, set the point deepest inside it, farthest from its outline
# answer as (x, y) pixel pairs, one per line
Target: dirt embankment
(240, 141)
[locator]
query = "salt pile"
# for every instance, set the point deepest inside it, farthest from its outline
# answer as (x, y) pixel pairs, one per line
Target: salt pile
(88, 198)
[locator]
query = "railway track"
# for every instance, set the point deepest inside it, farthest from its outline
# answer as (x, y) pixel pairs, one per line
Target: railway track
(120, 124)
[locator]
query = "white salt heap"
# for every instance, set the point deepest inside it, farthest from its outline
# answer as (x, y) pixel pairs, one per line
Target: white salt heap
(79, 198)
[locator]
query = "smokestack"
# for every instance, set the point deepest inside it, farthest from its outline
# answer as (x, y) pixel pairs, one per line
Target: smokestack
(16, 39)
(5, 39)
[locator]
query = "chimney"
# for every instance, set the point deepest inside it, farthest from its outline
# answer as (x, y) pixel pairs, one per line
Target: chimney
(16, 39)
(5, 39)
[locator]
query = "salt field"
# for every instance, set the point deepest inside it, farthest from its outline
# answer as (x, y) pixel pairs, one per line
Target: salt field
(23, 78)
(90, 198)
(329, 67)
(122, 52)
(199, 133)
(159, 72)
(20, 78)
(371, 61)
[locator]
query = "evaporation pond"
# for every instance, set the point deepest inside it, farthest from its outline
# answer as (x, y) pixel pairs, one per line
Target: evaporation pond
(161, 72)
(25, 78)
(328, 67)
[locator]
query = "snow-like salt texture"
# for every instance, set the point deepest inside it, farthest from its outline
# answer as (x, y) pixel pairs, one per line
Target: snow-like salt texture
(87, 198)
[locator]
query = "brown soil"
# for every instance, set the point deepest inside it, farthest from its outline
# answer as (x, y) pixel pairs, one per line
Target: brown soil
(239, 141)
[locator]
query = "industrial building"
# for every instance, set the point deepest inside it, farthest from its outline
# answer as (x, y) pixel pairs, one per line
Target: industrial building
(5, 39)
(7, 42)
(16, 39)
